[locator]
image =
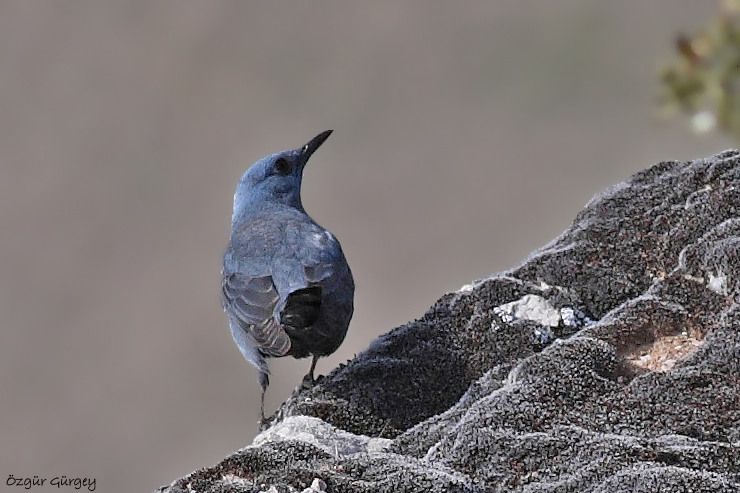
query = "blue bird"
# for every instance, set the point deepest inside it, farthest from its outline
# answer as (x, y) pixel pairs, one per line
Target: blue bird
(287, 289)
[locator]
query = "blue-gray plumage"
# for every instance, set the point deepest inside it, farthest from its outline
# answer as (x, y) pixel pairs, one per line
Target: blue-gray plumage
(286, 287)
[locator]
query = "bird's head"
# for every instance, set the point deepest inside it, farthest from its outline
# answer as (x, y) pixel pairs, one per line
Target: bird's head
(275, 179)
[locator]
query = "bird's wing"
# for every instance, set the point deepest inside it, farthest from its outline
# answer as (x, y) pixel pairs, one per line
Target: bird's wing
(250, 302)
(301, 279)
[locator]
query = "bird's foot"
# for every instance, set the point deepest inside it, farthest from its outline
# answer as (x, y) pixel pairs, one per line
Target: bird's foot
(307, 384)
(308, 381)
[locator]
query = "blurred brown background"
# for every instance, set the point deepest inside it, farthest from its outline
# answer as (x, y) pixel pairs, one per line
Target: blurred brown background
(465, 137)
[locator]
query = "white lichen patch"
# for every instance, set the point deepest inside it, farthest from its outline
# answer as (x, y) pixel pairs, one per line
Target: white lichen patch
(718, 283)
(574, 318)
(317, 486)
(468, 288)
(530, 307)
(321, 434)
(233, 480)
(569, 318)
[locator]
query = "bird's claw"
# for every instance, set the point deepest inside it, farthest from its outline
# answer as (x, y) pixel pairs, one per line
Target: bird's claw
(309, 382)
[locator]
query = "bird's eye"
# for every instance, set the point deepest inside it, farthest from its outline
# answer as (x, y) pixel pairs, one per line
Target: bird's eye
(283, 167)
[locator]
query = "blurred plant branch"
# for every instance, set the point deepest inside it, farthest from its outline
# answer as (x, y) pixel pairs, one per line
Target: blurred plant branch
(703, 81)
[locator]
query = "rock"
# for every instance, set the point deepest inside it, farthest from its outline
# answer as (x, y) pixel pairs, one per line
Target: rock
(609, 361)
(322, 435)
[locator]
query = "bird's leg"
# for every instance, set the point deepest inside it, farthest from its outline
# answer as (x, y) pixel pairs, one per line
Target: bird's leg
(309, 380)
(314, 359)
(264, 380)
(262, 407)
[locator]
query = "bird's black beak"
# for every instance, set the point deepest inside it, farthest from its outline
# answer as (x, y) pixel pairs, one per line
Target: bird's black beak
(314, 144)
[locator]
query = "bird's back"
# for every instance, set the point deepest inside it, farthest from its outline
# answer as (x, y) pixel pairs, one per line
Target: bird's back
(297, 254)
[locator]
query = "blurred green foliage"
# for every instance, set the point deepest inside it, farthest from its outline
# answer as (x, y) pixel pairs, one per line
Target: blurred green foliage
(703, 81)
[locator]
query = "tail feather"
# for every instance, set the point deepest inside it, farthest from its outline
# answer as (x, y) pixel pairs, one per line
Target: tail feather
(302, 308)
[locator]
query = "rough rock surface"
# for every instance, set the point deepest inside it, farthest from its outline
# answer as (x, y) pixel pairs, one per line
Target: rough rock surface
(608, 362)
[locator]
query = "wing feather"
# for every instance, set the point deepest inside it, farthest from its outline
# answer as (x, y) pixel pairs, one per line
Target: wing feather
(251, 302)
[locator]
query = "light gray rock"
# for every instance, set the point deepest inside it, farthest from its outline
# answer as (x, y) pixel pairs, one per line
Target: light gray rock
(322, 435)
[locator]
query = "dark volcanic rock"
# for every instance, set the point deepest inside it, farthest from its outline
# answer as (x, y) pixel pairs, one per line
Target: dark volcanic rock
(608, 362)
